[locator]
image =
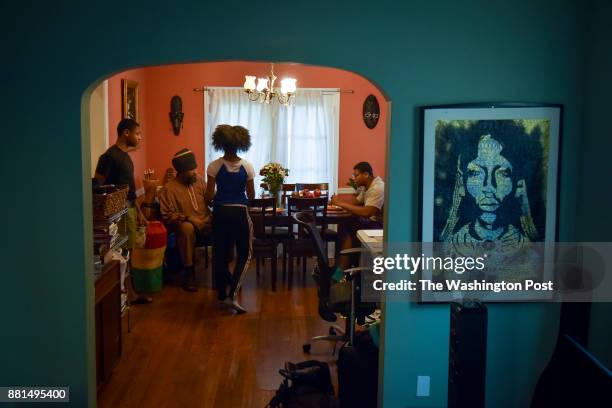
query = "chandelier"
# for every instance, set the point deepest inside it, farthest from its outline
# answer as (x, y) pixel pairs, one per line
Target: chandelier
(264, 91)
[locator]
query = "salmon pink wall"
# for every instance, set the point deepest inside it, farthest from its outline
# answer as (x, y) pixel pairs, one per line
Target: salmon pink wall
(157, 85)
(139, 155)
(357, 142)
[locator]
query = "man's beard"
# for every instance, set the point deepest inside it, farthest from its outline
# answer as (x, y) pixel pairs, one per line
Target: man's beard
(189, 180)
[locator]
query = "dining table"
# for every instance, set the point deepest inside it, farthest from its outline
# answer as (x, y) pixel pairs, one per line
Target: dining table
(334, 216)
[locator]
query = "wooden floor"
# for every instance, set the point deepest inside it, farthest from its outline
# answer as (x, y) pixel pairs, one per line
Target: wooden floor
(183, 351)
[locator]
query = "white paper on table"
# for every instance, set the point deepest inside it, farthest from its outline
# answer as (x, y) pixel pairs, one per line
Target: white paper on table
(374, 233)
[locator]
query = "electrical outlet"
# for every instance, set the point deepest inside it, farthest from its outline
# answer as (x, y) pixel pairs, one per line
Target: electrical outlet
(423, 386)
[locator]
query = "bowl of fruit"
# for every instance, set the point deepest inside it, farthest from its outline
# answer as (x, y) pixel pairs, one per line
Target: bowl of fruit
(306, 193)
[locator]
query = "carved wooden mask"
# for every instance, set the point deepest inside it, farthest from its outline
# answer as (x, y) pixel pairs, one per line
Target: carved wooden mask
(371, 111)
(176, 114)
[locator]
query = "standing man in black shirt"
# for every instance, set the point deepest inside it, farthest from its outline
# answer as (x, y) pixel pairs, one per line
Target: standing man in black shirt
(115, 167)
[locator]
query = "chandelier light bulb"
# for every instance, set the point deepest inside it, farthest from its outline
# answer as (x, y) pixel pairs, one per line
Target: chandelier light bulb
(288, 85)
(249, 83)
(262, 83)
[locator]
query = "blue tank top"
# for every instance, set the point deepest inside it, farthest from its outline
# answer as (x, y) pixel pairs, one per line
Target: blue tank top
(231, 187)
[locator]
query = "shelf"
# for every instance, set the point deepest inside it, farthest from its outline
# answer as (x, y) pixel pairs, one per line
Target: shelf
(110, 219)
(119, 243)
(102, 240)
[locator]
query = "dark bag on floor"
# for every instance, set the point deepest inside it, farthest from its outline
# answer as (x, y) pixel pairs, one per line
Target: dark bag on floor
(358, 373)
(305, 385)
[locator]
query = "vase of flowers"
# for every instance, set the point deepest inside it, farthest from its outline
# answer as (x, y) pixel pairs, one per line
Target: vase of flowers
(274, 175)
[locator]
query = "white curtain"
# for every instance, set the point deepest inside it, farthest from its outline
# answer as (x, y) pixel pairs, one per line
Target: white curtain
(303, 137)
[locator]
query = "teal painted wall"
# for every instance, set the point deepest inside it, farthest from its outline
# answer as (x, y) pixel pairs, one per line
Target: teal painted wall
(420, 53)
(594, 221)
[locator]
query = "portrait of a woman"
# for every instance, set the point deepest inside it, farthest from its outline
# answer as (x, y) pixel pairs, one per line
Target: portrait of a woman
(490, 190)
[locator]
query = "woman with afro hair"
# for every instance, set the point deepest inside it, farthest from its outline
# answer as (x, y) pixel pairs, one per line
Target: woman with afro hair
(233, 178)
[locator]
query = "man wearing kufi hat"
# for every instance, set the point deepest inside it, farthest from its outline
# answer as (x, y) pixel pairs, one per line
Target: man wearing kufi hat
(184, 211)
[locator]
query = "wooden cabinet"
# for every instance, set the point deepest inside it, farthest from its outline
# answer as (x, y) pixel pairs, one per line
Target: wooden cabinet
(108, 321)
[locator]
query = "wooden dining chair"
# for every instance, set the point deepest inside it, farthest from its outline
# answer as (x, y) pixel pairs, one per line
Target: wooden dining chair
(287, 190)
(329, 235)
(265, 239)
(298, 245)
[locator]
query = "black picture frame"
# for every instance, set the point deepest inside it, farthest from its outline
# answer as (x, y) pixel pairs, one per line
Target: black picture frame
(129, 99)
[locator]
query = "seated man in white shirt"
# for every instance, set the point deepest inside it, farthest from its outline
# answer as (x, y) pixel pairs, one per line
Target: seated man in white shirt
(367, 206)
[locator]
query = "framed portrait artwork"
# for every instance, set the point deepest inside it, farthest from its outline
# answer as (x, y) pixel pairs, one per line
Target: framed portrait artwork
(490, 188)
(129, 99)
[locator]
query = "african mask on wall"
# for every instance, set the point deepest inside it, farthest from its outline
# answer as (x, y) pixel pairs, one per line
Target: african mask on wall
(176, 114)
(371, 111)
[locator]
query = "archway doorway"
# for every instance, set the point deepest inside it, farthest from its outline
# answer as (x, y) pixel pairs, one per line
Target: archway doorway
(187, 352)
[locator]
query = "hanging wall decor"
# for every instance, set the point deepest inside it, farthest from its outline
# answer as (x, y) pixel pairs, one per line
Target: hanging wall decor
(129, 99)
(176, 114)
(371, 111)
(489, 189)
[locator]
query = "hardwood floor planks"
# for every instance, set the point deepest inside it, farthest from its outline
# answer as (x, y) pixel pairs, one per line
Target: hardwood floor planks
(183, 351)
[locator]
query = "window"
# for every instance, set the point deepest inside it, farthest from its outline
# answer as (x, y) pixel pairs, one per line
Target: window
(303, 137)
